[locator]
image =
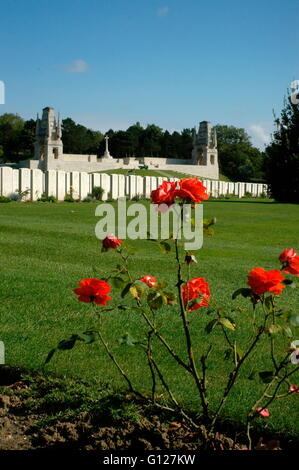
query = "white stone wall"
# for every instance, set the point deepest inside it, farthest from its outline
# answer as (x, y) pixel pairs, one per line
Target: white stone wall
(60, 183)
(78, 163)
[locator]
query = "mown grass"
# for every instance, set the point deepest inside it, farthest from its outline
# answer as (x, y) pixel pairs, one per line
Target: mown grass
(157, 173)
(47, 248)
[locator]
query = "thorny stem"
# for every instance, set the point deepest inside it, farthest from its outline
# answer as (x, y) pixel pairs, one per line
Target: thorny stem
(150, 363)
(152, 326)
(253, 412)
(234, 374)
(192, 364)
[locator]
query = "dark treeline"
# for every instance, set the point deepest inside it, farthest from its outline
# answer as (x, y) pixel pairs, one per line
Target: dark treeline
(238, 159)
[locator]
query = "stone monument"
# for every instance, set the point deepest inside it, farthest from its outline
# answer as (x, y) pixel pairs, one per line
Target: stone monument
(106, 153)
(205, 145)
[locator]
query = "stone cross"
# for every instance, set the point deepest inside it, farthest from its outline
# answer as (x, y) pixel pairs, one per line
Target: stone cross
(107, 138)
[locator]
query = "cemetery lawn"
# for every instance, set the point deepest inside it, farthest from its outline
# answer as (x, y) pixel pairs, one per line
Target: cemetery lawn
(46, 249)
(156, 173)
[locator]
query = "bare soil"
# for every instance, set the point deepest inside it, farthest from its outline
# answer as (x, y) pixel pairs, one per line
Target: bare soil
(25, 425)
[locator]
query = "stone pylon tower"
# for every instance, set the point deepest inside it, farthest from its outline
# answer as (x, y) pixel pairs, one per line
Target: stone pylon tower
(205, 145)
(48, 144)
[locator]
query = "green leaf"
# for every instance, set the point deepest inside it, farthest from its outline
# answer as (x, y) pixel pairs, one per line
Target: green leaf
(289, 282)
(155, 300)
(136, 291)
(160, 284)
(227, 323)
(164, 247)
(245, 292)
(50, 355)
(67, 343)
(169, 298)
(88, 337)
(293, 318)
(117, 282)
(266, 376)
(126, 290)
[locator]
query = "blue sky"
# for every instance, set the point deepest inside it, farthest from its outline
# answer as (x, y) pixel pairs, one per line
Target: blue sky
(109, 63)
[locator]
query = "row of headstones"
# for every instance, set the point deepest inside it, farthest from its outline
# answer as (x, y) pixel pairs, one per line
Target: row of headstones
(59, 183)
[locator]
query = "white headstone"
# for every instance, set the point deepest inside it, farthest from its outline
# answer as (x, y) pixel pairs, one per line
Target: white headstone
(154, 183)
(84, 185)
(231, 188)
(106, 185)
(214, 188)
(96, 180)
(16, 180)
(139, 185)
(75, 184)
(61, 185)
(127, 185)
(6, 181)
(25, 183)
(147, 186)
(51, 183)
(121, 185)
(36, 184)
(254, 189)
(241, 189)
(132, 191)
(114, 186)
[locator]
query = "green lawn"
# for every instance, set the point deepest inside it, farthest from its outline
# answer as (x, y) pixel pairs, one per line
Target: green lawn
(47, 248)
(157, 173)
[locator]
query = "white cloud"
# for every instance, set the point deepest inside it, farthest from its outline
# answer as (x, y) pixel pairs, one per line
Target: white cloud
(77, 66)
(163, 11)
(260, 135)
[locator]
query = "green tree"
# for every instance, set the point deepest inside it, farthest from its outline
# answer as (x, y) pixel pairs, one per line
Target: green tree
(282, 155)
(238, 159)
(11, 126)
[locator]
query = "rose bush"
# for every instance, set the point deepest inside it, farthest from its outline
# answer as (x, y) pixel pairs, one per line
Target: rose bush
(189, 297)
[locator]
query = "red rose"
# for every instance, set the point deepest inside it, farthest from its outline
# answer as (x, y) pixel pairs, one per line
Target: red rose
(294, 389)
(165, 193)
(197, 288)
(193, 189)
(111, 242)
(148, 280)
(262, 281)
(93, 290)
(290, 262)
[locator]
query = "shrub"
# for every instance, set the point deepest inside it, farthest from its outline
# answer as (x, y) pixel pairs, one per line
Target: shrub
(4, 199)
(16, 197)
(45, 198)
(88, 198)
(69, 198)
(97, 193)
